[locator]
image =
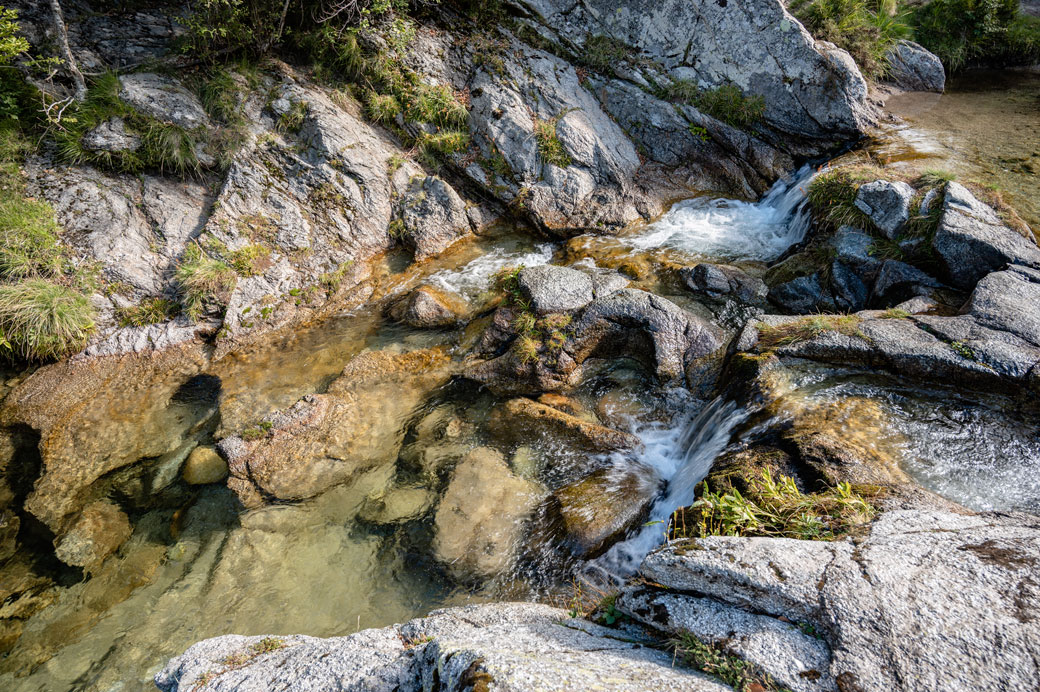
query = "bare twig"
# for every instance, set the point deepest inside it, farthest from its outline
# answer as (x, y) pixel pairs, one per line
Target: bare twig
(66, 51)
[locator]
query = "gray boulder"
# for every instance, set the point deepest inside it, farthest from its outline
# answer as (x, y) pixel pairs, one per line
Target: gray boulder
(887, 204)
(551, 288)
(721, 280)
(433, 215)
(503, 647)
(1009, 301)
(853, 247)
(898, 281)
(164, 99)
(429, 308)
(972, 241)
(111, 135)
(922, 589)
(914, 68)
(803, 294)
(850, 292)
(810, 88)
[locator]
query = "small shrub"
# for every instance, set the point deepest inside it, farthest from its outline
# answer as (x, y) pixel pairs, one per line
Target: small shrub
(148, 311)
(203, 280)
(712, 659)
(550, 147)
(602, 52)
(41, 319)
(977, 32)
(806, 328)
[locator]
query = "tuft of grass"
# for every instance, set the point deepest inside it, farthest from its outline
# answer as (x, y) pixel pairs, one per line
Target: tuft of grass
(437, 105)
(726, 103)
(550, 147)
(203, 280)
(776, 507)
(28, 238)
(267, 645)
(257, 431)
(250, 260)
(148, 311)
(602, 52)
(381, 108)
(770, 337)
(527, 348)
(41, 319)
(867, 29)
(933, 177)
(221, 96)
(711, 658)
(443, 143)
(832, 196)
(292, 119)
(171, 148)
(894, 314)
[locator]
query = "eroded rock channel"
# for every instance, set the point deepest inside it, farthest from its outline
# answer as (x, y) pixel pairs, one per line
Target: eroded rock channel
(581, 381)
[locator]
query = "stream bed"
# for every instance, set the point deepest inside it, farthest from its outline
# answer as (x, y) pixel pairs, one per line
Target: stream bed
(328, 565)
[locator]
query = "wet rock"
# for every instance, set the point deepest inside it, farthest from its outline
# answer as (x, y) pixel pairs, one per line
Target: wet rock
(429, 308)
(598, 510)
(327, 439)
(802, 294)
(1009, 301)
(551, 288)
(524, 420)
(796, 660)
(850, 293)
(95, 534)
(163, 98)
(479, 521)
(932, 586)
(204, 466)
(913, 68)
(568, 405)
(396, 505)
(433, 215)
(461, 648)
(887, 204)
(722, 280)
(898, 281)
(972, 241)
(111, 135)
(9, 525)
(853, 247)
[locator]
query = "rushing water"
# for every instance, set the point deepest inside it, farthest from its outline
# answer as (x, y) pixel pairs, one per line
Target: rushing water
(731, 229)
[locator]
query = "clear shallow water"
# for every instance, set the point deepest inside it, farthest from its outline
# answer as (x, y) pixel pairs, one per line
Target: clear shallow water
(985, 127)
(730, 229)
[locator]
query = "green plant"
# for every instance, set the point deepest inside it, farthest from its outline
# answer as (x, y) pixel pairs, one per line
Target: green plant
(382, 108)
(699, 132)
(602, 52)
(446, 142)
(712, 659)
(934, 177)
(250, 260)
(203, 279)
(550, 147)
(832, 196)
(11, 44)
(527, 348)
(41, 319)
(28, 238)
(171, 148)
(148, 311)
(726, 103)
(437, 105)
(963, 350)
(257, 430)
(894, 314)
(770, 336)
(292, 119)
(977, 32)
(778, 508)
(221, 96)
(267, 644)
(331, 280)
(867, 29)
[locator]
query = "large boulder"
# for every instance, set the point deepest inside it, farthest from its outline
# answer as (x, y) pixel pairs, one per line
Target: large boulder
(427, 307)
(495, 647)
(972, 241)
(164, 99)
(810, 88)
(887, 204)
(433, 216)
(1009, 301)
(923, 588)
(550, 288)
(913, 67)
(479, 522)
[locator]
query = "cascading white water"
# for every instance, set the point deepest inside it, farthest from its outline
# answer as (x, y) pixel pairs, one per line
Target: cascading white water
(682, 455)
(733, 230)
(472, 278)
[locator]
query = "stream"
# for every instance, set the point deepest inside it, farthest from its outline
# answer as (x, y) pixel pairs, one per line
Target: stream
(324, 567)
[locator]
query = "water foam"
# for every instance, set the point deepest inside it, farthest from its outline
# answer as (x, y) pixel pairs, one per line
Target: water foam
(734, 230)
(682, 454)
(473, 278)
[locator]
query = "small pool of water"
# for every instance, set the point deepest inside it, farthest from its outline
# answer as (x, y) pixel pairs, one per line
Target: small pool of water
(985, 127)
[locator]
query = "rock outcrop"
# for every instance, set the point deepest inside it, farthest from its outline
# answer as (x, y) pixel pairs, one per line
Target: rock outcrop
(914, 68)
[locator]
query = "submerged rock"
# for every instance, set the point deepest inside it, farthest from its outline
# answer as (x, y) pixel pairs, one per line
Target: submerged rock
(95, 534)
(524, 420)
(204, 466)
(479, 521)
(429, 308)
(396, 504)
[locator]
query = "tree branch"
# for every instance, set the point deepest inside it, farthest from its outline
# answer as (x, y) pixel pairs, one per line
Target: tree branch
(66, 52)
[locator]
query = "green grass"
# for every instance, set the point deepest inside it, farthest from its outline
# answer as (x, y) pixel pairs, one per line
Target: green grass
(965, 33)
(381, 108)
(770, 337)
(867, 29)
(203, 281)
(832, 196)
(711, 658)
(292, 119)
(776, 507)
(436, 105)
(934, 177)
(28, 239)
(550, 147)
(41, 319)
(726, 103)
(250, 260)
(602, 52)
(148, 311)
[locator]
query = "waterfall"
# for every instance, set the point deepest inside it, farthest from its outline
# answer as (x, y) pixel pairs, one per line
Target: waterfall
(688, 451)
(733, 230)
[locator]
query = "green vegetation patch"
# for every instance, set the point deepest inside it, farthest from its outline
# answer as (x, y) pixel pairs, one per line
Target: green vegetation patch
(964, 33)
(602, 52)
(770, 336)
(726, 103)
(148, 311)
(776, 507)
(204, 281)
(867, 29)
(711, 658)
(550, 147)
